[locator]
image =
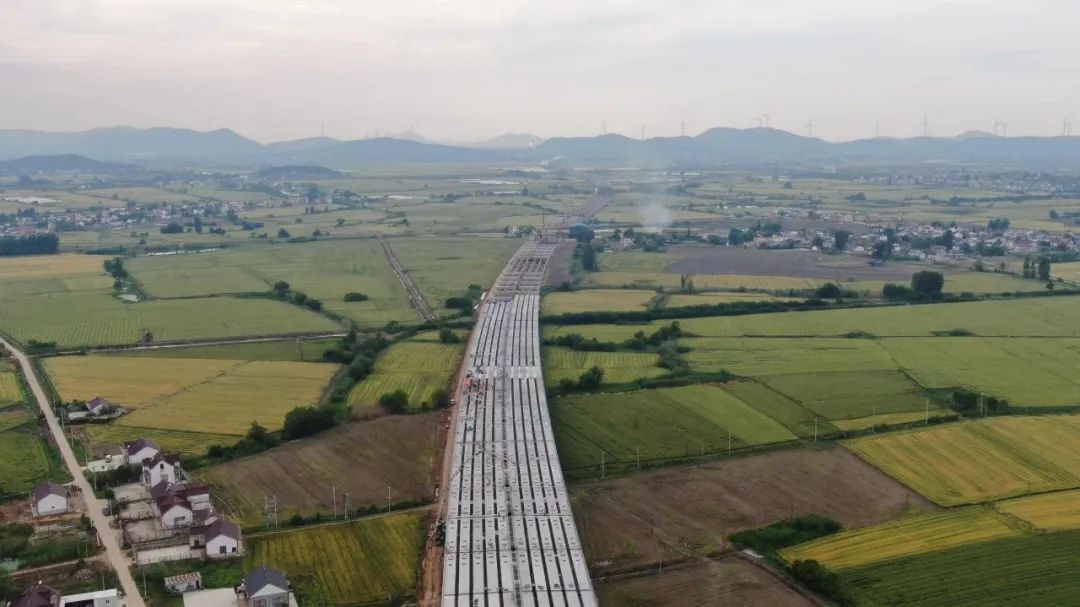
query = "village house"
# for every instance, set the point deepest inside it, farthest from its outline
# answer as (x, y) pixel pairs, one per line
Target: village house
(162, 467)
(185, 582)
(219, 539)
(98, 598)
(140, 450)
(264, 587)
(39, 595)
(50, 498)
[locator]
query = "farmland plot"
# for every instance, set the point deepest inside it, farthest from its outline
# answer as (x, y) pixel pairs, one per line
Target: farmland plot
(1050, 512)
(761, 357)
(981, 460)
(193, 395)
(417, 367)
(662, 424)
(627, 520)
(353, 563)
(850, 395)
(445, 267)
(25, 460)
(360, 459)
(916, 535)
(1029, 571)
(617, 300)
(710, 584)
(619, 367)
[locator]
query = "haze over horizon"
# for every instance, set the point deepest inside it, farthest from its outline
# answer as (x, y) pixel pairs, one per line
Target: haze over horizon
(465, 71)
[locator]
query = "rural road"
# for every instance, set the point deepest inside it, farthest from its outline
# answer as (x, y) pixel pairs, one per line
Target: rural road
(95, 507)
(415, 296)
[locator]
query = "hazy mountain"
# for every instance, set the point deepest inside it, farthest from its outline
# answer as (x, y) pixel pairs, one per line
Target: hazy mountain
(384, 150)
(298, 171)
(32, 165)
(509, 141)
(127, 143)
(303, 145)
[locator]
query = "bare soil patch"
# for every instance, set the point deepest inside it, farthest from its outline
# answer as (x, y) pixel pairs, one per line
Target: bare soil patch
(360, 459)
(631, 521)
(731, 581)
(794, 263)
(560, 263)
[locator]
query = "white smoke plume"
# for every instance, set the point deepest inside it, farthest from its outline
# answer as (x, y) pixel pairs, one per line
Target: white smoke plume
(654, 216)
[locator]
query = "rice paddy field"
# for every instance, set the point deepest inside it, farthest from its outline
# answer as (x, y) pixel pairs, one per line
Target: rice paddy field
(445, 267)
(192, 395)
(591, 300)
(324, 270)
(106, 439)
(418, 367)
(352, 563)
(619, 367)
(1028, 571)
(657, 425)
(791, 414)
(360, 459)
(848, 395)
(977, 461)
(10, 391)
(922, 534)
(1058, 511)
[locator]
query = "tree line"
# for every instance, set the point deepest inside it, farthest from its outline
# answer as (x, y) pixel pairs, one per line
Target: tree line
(30, 244)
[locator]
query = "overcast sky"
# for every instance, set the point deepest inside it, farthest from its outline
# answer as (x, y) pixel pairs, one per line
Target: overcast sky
(470, 69)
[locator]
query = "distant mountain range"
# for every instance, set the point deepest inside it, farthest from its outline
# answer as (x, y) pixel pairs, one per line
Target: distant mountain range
(33, 165)
(713, 148)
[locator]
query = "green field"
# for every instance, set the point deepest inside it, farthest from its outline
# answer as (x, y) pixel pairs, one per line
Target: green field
(324, 270)
(850, 395)
(617, 300)
(10, 390)
(763, 356)
(619, 367)
(663, 424)
(107, 438)
(296, 350)
(25, 460)
(417, 367)
(977, 461)
(353, 564)
(791, 414)
(915, 535)
(96, 318)
(445, 267)
(1030, 571)
(192, 395)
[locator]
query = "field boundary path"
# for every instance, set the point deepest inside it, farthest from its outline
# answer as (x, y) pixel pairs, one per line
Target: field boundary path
(415, 296)
(95, 507)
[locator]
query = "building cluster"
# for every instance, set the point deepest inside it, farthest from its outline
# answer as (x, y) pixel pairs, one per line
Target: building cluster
(40, 595)
(180, 505)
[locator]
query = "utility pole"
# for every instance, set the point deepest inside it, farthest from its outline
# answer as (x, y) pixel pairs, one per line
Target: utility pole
(927, 418)
(729, 442)
(639, 458)
(388, 499)
(815, 428)
(333, 492)
(602, 462)
(809, 128)
(346, 507)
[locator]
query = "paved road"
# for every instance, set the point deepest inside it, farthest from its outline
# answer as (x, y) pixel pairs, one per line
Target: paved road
(510, 534)
(415, 296)
(94, 506)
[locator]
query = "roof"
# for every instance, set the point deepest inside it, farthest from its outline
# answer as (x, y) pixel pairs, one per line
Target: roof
(89, 596)
(48, 488)
(171, 458)
(96, 402)
(138, 445)
(183, 578)
(171, 501)
(221, 527)
(258, 579)
(38, 595)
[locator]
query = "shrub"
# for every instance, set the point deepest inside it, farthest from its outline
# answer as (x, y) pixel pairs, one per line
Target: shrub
(354, 296)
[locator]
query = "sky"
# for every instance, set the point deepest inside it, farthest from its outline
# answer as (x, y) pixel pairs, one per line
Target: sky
(465, 70)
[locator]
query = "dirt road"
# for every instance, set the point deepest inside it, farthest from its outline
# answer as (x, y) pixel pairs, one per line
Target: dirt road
(415, 296)
(95, 507)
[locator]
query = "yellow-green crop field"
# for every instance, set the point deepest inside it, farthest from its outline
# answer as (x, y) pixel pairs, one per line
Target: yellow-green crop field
(916, 535)
(192, 395)
(417, 367)
(658, 424)
(763, 356)
(445, 267)
(1058, 511)
(619, 367)
(682, 300)
(594, 300)
(888, 419)
(354, 563)
(297, 350)
(9, 387)
(106, 438)
(791, 414)
(977, 461)
(324, 270)
(1030, 372)
(719, 282)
